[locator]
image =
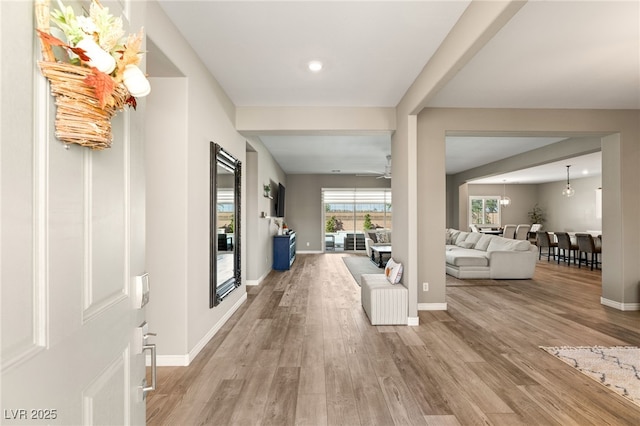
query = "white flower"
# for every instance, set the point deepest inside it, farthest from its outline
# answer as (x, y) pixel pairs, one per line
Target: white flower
(87, 24)
(99, 58)
(135, 81)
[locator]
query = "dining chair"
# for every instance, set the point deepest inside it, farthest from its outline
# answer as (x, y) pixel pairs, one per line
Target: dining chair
(565, 245)
(587, 246)
(509, 231)
(544, 241)
(522, 231)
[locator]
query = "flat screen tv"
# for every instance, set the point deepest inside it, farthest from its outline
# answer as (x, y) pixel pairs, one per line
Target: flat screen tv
(280, 201)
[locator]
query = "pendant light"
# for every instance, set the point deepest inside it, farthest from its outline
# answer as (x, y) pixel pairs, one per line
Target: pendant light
(568, 191)
(504, 201)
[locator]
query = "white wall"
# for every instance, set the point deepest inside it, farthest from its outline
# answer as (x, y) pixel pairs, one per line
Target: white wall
(184, 115)
(574, 214)
(166, 242)
(261, 169)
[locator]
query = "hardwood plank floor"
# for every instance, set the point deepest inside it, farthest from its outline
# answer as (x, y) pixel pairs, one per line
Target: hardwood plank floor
(302, 351)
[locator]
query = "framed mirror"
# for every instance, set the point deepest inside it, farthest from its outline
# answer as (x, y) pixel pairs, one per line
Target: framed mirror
(224, 224)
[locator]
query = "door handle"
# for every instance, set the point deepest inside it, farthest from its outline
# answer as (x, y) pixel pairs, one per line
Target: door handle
(154, 374)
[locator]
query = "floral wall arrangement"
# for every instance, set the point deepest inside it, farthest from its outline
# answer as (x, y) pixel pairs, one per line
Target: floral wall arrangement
(93, 70)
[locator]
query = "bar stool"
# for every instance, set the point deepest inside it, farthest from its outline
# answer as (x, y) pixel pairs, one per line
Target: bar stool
(586, 245)
(543, 240)
(564, 244)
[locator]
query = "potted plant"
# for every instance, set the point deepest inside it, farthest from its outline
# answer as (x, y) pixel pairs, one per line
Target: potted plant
(536, 215)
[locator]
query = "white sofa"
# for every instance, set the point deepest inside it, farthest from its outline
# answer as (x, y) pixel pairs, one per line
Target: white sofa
(473, 255)
(372, 237)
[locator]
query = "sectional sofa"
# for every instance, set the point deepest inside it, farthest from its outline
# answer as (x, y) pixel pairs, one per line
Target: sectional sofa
(474, 255)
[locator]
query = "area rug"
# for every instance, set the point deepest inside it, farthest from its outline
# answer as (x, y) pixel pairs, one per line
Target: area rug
(359, 265)
(617, 368)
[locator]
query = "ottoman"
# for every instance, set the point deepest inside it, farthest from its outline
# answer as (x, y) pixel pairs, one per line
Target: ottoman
(384, 303)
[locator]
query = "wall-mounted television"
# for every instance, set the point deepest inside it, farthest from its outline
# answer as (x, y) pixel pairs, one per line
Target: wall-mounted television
(280, 201)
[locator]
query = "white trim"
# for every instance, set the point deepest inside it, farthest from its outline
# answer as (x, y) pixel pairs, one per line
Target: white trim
(432, 306)
(185, 360)
(170, 360)
(413, 321)
(620, 306)
(259, 280)
(202, 343)
(309, 252)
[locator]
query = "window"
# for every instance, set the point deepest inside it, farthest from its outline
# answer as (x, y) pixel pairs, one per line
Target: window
(484, 210)
(354, 211)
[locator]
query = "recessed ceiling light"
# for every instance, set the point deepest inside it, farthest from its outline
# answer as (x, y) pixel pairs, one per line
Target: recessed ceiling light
(315, 66)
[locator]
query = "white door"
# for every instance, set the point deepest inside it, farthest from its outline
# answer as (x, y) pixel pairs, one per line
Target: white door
(72, 235)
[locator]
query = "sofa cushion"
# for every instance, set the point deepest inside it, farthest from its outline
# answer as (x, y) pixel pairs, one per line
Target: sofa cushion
(483, 242)
(506, 244)
(393, 271)
(462, 236)
(466, 244)
(466, 257)
(473, 238)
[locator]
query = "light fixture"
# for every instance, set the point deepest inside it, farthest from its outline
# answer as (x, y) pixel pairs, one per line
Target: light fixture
(568, 191)
(315, 66)
(504, 201)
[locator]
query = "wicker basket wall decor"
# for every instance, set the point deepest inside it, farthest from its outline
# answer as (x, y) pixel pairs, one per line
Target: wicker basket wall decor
(80, 117)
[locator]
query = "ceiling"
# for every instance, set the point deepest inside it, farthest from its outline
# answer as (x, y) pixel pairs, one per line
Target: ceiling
(551, 54)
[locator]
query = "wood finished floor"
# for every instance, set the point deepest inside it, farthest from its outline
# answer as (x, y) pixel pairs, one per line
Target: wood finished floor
(301, 351)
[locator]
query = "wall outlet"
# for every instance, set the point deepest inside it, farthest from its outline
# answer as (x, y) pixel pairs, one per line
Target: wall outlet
(425, 286)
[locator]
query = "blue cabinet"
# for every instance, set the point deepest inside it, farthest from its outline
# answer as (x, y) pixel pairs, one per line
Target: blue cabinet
(284, 251)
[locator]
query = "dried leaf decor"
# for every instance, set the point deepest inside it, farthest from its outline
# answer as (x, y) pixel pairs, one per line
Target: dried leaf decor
(50, 40)
(132, 102)
(103, 86)
(130, 54)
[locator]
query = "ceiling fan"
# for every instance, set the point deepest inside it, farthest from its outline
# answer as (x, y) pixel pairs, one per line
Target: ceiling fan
(387, 170)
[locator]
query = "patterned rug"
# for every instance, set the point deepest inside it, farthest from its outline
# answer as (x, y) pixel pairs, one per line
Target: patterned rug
(617, 368)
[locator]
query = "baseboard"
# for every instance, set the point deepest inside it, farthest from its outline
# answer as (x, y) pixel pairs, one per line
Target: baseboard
(413, 321)
(259, 280)
(203, 342)
(620, 306)
(170, 360)
(185, 360)
(432, 306)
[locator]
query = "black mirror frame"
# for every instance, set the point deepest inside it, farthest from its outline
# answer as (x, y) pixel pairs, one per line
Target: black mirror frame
(218, 156)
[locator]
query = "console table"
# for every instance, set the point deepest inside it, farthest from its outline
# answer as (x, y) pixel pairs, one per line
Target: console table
(284, 251)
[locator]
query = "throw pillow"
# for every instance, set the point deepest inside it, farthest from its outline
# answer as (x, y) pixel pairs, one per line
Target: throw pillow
(473, 237)
(373, 235)
(461, 237)
(453, 236)
(483, 242)
(466, 244)
(393, 271)
(383, 237)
